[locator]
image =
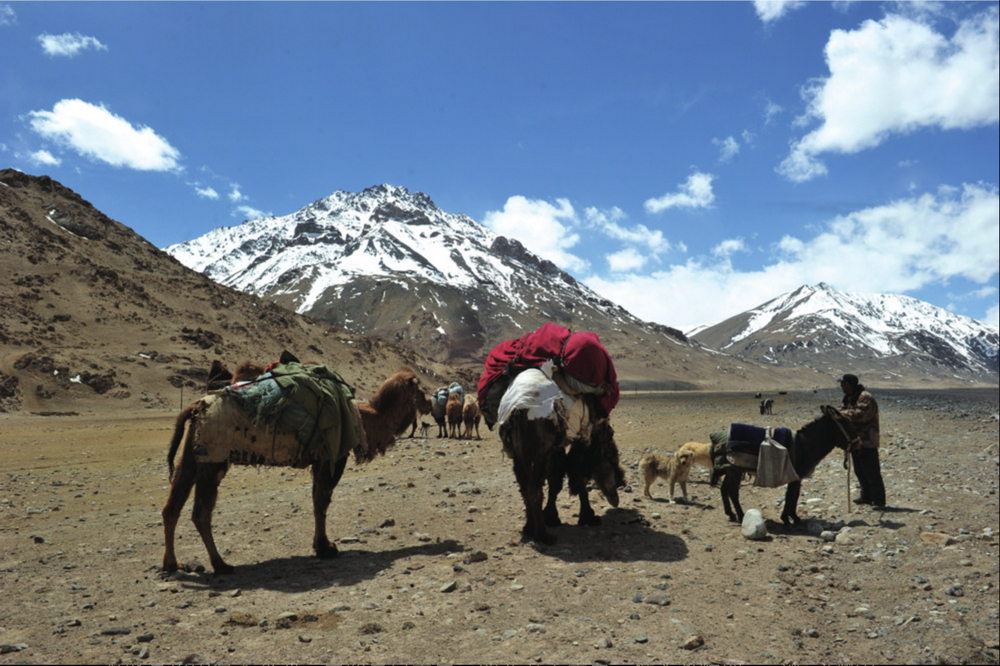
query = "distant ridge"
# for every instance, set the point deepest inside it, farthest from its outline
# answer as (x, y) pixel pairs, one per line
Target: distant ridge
(894, 339)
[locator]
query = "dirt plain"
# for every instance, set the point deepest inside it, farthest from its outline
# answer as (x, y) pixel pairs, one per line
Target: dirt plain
(432, 569)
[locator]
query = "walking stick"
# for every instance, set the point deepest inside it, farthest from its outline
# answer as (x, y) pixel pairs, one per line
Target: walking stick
(847, 466)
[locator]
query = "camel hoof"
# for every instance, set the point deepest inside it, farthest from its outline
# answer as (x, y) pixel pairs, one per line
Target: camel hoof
(223, 569)
(327, 553)
(591, 521)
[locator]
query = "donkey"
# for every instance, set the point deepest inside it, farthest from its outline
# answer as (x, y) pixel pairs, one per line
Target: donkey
(810, 445)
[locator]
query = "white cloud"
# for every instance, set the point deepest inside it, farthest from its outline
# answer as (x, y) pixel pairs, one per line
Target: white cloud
(772, 10)
(993, 316)
(69, 45)
(206, 192)
(771, 111)
(545, 229)
(608, 222)
(44, 158)
(695, 193)
(626, 260)
(895, 76)
(898, 247)
(7, 15)
(729, 148)
(235, 195)
(96, 133)
(729, 247)
(249, 213)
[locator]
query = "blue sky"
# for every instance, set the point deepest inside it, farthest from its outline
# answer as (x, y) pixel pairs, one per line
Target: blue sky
(686, 160)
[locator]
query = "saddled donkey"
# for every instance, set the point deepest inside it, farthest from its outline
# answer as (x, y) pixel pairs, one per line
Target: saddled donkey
(554, 442)
(383, 418)
(811, 444)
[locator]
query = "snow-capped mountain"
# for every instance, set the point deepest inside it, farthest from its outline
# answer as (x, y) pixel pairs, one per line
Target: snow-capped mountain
(888, 335)
(389, 263)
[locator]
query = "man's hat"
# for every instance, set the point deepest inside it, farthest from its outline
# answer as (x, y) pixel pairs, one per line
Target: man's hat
(850, 379)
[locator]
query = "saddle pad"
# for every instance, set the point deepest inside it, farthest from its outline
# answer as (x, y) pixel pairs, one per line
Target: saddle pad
(543, 399)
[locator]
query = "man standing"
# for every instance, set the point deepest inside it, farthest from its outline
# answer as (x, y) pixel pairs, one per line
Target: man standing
(862, 410)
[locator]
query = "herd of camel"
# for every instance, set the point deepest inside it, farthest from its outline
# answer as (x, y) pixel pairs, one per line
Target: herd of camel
(543, 450)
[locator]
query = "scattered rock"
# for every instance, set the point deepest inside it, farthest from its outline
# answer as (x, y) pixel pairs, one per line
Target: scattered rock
(696, 641)
(476, 556)
(937, 538)
(753, 525)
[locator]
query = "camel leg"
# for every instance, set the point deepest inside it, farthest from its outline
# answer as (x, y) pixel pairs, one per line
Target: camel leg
(789, 514)
(413, 429)
(206, 492)
(322, 492)
(180, 489)
(557, 470)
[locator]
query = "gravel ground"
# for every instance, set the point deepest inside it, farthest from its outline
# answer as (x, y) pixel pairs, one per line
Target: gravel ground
(432, 569)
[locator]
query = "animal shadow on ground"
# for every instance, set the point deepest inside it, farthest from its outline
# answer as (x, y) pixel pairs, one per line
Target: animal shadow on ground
(299, 573)
(623, 536)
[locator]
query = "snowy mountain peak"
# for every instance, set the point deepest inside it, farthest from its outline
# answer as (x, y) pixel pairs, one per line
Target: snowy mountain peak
(820, 325)
(387, 262)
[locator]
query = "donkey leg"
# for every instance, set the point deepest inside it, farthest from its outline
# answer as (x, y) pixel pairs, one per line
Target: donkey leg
(789, 514)
(324, 481)
(180, 489)
(205, 494)
(731, 492)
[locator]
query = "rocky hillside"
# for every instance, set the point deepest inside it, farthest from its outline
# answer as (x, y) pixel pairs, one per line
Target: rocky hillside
(94, 315)
(890, 339)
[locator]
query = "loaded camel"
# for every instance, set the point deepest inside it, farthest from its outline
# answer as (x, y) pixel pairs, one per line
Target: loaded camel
(382, 419)
(543, 448)
(811, 444)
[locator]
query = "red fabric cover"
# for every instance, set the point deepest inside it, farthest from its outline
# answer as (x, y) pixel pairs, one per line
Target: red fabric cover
(580, 354)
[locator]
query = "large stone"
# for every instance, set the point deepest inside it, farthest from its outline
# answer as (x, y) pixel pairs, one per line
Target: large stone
(753, 525)
(937, 538)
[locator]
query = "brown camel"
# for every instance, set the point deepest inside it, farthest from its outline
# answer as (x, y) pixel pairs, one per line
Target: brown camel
(383, 418)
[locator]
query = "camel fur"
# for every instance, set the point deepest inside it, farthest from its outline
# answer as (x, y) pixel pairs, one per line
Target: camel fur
(383, 418)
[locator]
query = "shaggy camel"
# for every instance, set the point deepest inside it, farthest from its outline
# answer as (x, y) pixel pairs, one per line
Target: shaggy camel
(454, 411)
(470, 417)
(538, 446)
(383, 418)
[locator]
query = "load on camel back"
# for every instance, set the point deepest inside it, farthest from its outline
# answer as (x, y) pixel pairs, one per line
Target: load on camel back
(580, 365)
(305, 411)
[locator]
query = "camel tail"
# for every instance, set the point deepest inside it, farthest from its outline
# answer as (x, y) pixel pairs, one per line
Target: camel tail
(179, 426)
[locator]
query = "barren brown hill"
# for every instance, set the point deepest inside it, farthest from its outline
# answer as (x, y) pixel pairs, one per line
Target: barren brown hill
(96, 317)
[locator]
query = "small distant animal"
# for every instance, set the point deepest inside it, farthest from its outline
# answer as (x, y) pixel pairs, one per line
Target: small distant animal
(470, 417)
(674, 468)
(454, 411)
(424, 428)
(701, 454)
(766, 406)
